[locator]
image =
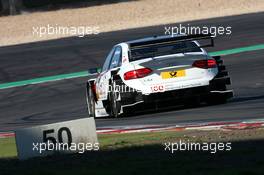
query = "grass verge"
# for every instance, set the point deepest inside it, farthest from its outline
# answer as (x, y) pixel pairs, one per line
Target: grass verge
(7, 147)
(143, 153)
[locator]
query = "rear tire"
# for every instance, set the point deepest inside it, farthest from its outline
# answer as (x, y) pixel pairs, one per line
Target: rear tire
(216, 99)
(192, 102)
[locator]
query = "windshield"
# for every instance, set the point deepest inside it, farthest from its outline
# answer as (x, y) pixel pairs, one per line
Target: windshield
(164, 49)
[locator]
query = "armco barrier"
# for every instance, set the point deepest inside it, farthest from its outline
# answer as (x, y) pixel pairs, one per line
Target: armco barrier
(13, 7)
(38, 3)
(10, 7)
(4, 7)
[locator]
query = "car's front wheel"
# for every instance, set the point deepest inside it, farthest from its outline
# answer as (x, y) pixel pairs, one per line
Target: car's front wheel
(114, 103)
(90, 101)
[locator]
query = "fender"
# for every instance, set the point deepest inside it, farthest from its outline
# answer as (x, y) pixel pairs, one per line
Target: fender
(91, 83)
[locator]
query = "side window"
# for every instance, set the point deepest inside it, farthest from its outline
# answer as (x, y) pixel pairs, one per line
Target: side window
(107, 60)
(116, 59)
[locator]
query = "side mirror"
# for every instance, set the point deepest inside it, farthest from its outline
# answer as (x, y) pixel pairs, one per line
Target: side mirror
(94, 70)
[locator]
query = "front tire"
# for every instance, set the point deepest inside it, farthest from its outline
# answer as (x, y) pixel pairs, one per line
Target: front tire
(115, 105)
(90, 101)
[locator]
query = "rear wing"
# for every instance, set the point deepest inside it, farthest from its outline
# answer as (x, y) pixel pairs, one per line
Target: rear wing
(176, 39)
(148, 48)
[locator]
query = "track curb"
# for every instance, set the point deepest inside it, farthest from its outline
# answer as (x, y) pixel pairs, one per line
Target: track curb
(247, 124)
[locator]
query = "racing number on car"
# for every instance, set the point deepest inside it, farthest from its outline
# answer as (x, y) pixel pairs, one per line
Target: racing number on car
(158, 88)
(47, 135)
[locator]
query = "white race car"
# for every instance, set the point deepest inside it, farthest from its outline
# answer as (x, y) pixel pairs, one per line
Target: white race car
(157, 72)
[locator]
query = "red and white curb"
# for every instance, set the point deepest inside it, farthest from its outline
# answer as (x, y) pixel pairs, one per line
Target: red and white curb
(6, 134)
(200, 126)
(248, 124)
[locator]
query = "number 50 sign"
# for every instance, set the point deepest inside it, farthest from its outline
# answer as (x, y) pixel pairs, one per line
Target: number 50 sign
(47, 135)
(70, 136)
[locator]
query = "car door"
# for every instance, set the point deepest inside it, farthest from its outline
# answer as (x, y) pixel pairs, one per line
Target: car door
(112, 62)
(100, 88)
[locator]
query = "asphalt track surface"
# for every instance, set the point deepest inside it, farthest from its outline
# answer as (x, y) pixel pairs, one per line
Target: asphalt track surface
(65, 100)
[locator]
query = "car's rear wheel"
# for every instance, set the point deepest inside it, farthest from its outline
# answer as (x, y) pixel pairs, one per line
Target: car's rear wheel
(216, 99)
(90, 101)
(192, 102)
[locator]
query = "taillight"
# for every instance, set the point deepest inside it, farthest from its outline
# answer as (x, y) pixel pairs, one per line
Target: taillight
(138, 73)
(205, 64)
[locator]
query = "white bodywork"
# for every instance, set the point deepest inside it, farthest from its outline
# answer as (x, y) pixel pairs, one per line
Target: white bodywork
(154, 83)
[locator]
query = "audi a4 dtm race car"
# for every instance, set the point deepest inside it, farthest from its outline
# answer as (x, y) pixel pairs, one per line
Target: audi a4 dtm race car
(157, 70)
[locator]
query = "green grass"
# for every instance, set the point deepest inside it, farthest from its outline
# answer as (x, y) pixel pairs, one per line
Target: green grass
(107, 141)
(7, 147)
(142, 153)
(116, 141)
